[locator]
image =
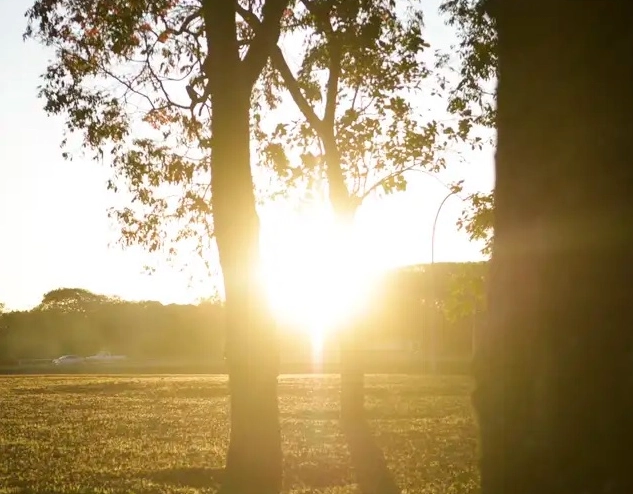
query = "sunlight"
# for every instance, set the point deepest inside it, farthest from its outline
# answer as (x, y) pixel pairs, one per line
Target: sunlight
(314, 284)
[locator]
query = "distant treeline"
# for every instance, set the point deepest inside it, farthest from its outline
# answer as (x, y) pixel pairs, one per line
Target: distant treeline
(76, 321)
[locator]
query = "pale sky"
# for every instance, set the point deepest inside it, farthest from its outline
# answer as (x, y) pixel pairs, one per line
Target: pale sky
(54, 229)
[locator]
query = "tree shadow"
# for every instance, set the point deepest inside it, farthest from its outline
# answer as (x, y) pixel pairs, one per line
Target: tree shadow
(194, 478)
(372, 473)
(316, 474)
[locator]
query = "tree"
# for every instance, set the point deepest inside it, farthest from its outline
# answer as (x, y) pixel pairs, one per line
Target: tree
(73, 313)
(73, 300)
(161, 89)
(472, 98)
(559, 330)
(359, 129)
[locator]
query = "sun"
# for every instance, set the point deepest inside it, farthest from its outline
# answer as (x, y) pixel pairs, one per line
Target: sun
(317, 274)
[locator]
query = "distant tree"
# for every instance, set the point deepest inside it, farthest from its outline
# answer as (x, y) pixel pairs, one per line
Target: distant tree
(4, 334)
(145, 329)
(355, 82)
(161, 89)
(467, 291)
(73, 300)
(553, 368)
(71, 314)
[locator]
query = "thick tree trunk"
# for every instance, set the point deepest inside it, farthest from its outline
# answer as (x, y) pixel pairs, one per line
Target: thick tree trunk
(254, 460)
(553, 366)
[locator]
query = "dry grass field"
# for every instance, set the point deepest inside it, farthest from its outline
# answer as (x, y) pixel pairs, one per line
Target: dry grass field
(154, 434)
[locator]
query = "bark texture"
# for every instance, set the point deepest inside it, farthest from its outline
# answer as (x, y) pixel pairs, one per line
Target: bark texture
(254, 459)
(553, 365)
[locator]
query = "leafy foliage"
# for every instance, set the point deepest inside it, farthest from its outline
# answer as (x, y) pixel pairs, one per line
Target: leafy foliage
(358, 74)
(476, 60)
(129, 78)
(473, 98)
(467, 291)
(477, 221)
(73, 300)
(77, 321)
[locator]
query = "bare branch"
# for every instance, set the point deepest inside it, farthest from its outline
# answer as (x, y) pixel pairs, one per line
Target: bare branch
(322, 17)
(188, 20)
(333, 79)
(160, 85)
(294, 89)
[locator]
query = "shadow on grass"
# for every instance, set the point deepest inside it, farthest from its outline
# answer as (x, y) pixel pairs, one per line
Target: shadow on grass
(193, 478)
(372, 473)
(321, 476)
(319, 473)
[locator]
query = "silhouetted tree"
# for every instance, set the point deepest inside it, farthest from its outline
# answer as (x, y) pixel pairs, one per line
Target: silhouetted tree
(73, 300)
(553, 368)
(160, 133)
(360, 130)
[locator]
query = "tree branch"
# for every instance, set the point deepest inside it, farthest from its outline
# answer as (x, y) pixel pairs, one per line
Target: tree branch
(333, 79)
(266, 36)
(186, 21)
(279, 62)
(294, 89)
(321, 14)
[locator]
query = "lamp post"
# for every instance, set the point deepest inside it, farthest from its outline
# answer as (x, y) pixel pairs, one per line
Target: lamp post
(433, 327)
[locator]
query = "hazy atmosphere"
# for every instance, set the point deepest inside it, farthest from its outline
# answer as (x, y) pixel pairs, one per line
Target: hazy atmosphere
(316, 246)
(53, 213)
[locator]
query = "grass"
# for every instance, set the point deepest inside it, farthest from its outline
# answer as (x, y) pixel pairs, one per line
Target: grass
(152, 434)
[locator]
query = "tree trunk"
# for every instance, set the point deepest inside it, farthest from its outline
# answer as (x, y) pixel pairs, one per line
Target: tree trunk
(350, 347)
(553, 367)
(254, 460)
(352, 380)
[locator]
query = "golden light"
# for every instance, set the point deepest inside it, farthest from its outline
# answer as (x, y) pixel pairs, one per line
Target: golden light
(317, 274)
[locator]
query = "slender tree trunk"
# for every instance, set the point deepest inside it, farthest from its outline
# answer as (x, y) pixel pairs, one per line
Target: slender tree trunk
(254, 460)
(350, 347)
(553, 367)
(352, 380)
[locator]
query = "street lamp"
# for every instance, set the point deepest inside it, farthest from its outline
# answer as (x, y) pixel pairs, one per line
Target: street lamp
(433, 327)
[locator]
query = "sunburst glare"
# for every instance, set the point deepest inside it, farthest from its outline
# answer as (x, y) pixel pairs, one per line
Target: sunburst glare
(318, 275)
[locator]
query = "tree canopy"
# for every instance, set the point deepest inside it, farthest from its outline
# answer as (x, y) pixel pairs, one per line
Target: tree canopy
(354, 81)
(131, 79)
